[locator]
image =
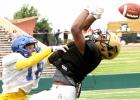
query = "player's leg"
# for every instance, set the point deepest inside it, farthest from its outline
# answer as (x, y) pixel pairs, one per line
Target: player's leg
(57, 92)
(20, 95)
(1, 97)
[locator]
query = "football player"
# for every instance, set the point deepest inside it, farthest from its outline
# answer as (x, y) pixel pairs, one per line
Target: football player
(23, 67)
(82, 57)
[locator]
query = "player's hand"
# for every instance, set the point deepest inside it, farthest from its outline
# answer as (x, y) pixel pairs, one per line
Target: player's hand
(97, 13)
(63, 48)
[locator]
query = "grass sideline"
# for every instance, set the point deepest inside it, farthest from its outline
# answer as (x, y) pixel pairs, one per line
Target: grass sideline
(111, 94)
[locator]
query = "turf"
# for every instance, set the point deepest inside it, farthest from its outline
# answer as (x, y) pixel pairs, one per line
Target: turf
(111, 94)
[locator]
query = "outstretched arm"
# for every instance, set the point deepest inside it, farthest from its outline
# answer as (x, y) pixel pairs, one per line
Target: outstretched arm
(37, 57)
(34, 59)
(82, 23)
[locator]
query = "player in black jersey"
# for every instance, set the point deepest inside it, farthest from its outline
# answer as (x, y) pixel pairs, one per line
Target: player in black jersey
(83, 56)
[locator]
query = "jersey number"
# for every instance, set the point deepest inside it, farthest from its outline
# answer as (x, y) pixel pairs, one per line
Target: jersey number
(36, 73)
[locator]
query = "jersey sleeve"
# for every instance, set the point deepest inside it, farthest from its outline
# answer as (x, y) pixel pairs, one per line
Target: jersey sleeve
(34, 59)
(11, 58)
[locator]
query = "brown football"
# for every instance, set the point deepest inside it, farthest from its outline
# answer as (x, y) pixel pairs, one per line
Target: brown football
(130, 10)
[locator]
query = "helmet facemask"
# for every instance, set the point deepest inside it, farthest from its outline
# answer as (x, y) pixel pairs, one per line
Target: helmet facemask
(108, 43)
(31, 47)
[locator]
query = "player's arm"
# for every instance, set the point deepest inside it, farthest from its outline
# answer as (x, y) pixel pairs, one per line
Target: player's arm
(37, 57)
(34, 59)
(82, 23)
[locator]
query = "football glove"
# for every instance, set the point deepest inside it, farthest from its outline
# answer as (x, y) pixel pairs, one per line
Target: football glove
(63, 48)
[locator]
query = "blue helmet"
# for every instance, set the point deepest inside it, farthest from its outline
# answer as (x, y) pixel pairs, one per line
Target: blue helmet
(21, 42)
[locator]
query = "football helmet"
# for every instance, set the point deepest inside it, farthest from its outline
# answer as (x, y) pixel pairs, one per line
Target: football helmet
(107, 42)
(19, 44)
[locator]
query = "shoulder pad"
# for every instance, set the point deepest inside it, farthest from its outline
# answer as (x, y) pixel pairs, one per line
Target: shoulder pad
(11, 58)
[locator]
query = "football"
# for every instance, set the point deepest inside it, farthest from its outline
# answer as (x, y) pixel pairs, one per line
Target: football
(130, 10)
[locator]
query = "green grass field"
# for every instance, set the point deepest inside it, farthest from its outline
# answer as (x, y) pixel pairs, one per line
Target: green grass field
(111, 94)
(128, 61)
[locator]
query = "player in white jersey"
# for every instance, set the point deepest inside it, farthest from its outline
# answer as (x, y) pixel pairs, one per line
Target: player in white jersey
(23, 67)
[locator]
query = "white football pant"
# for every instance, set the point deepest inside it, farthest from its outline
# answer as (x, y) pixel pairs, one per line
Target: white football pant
(57, 92)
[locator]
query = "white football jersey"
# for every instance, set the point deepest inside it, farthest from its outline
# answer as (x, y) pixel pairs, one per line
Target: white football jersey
(26, 78)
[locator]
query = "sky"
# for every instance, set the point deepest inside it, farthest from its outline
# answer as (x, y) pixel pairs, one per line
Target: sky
(62, 13)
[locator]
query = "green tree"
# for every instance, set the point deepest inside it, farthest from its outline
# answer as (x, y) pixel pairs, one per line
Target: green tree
(26, 11)
(42, 25)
